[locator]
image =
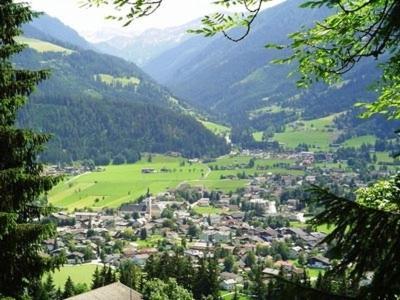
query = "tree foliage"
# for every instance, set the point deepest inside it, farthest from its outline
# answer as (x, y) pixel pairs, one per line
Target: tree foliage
(21, 177)
(159, 290)
(356, 30)
(365, 238)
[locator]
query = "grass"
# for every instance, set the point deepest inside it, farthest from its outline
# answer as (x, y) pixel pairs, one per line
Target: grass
(321, 228)
(356, 142)
(119, 184)
(124, 183)
(124, 81)
(216, 128)
(268, 109)
(257, 136)
(317, 133)
(42, 46)
(207, 210)
(313, 273)
(383, 157)
(151, 241)
(78, 274)
(228, 295)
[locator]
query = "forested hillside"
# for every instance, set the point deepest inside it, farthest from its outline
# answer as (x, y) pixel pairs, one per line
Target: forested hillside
(238, 83)
(104, 108)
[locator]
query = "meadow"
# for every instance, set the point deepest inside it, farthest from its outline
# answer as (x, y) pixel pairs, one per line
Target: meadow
(123, 183)
(79, 274)
(124, 81)
(42, 46)
(317, 133)
(216, 128)
(358, 141)
(114, 185)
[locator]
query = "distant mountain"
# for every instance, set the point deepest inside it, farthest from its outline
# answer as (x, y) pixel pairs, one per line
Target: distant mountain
(46, 27)
(144, 47)
(237, 80)
(101, 107)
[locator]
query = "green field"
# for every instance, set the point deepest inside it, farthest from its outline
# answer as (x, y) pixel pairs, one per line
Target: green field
(115, 185)
(357, 142)
(111, 80)
(257, 136)
(321, 228)
(383, 157)
(119, 184)
(216, 128)
(78, 274)
(207, 210)
(42, 46)
(317, 133)
(151, 241)
(226, 295)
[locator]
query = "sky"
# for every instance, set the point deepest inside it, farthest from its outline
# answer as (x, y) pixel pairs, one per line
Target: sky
(91, 23)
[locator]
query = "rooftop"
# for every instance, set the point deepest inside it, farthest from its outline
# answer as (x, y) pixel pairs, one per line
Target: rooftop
(115, 291)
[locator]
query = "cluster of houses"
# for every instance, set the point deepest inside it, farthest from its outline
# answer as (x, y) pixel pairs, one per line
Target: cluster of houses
(137, 230)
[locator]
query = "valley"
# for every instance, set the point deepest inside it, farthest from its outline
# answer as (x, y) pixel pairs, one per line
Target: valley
(194, 164)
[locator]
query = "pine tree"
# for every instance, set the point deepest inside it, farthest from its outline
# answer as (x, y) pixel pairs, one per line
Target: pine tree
(236, 294)
(259, 288)
(109, 276)
(96, 281)
(21, 177)
(69, 288)
(361, 250)
(59, 295)
(103, 275)
(143, 234)
(213, 275)
(49, 287)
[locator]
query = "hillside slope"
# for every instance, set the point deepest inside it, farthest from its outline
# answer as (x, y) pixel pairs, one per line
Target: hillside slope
(236, 79)
(102, 107)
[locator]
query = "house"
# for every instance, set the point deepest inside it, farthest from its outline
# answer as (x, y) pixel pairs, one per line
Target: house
(269, 273)
(268, 234)
(156, 209)
(215, 236)
(85, 216)
(112, 259)
(114, 291)
(50, 244)
(139, 208)
(227, 275)
(148, 170)
(75, 258)
(140, 259)
(301, 234)
(201, 246)
(203, 202)
(228, 284)
(320, 262)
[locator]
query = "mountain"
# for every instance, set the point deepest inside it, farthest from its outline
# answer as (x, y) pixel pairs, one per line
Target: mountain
(101, 107)
(144, 47)
(48, 28)
(237, 81)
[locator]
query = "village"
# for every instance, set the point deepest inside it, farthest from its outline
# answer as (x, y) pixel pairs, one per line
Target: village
(264, 221)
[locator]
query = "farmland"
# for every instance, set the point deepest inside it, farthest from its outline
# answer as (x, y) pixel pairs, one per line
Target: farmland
(42, 46)
(78, 274)
(123, 81)
(118, 184)
(318, 133)
(114, 185)
(356, 142)
(216, 128)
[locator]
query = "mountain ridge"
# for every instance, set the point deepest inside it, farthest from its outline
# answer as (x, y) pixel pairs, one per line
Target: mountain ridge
(101, 107)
